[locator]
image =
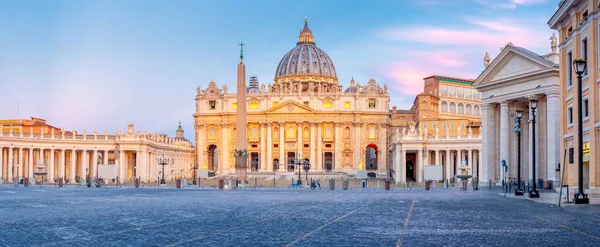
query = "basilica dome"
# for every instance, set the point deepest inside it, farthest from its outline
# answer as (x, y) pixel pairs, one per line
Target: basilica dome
(306, 62)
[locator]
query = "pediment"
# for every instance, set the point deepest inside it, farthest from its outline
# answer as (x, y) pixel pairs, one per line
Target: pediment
(290, 107)
(512, 62)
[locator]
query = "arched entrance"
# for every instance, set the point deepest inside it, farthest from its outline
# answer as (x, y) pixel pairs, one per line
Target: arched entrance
(275, 165)
(371, 159)
(213, 158)
(410, 170)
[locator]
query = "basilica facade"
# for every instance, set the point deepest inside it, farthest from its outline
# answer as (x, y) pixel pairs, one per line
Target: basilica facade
(306, 113)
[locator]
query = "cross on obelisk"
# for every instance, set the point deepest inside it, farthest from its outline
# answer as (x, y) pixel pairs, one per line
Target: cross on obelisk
(241, 51)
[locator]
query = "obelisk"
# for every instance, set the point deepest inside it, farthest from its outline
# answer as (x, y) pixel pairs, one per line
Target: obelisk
(241, 152)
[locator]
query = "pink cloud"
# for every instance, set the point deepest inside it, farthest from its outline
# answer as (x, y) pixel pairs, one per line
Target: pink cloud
(507, 4)
(441, 57)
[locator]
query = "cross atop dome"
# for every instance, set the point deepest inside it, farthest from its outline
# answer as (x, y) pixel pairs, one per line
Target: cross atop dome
(306, 36)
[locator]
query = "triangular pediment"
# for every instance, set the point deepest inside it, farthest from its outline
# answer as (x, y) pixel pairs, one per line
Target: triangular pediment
(512, 62)
(290, 107)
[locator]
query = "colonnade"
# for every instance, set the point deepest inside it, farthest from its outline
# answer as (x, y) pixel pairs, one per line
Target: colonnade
(409, 163)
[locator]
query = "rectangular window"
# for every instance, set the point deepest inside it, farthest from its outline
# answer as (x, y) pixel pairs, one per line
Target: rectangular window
(462, 125)
(569, 69)
(424, 126)
(306, 103)
(584, 50)
(452, 126)
(327, 104)
(212, 104)
(444, 90)
(347, 104)
(586, 111)
(451, 91)
(371, 103)
(434, 126)
(570, 115)
(584, 16)
(254, 105)
(234, 105)
(444, 126)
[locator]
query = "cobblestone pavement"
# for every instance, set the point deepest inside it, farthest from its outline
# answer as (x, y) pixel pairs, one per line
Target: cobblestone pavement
(77, 216)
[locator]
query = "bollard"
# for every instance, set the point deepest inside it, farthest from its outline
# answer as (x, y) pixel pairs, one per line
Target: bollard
(427, 184)
(178, 183)
(345, 184)
(387, 184)
(490, 185)
(331, 184)
(26, 182)
(137, 183)
(60, 183)
(273, 182)
(220, 183)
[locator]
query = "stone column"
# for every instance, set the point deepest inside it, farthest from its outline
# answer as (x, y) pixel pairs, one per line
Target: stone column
(448, 165)
(9, 164)
(505, 124)
(382, 152)
(319, 165)
(72, 168)
(224, 166)
(553, 136)
(105, 156)
(402, 161)
(479, 172)
(1, 162)
(269, 143)
(61, 166)
(83, 165)
(144, 166)
(29, 164)
(299, 139)
(419, 165)
(338, 148)
(201, 147)
(94, 164)
(263, 148)
(357, 145)
(437, 157)
(488, 164)
(51, 166)
(282, 160)
(122, 165)
(470, 161)
(313, 160)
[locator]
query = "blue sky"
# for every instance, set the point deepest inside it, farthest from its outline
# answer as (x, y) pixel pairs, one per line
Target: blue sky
(104, 64)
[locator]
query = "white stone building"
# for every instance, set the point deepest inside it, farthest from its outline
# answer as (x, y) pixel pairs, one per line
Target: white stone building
(507, 84)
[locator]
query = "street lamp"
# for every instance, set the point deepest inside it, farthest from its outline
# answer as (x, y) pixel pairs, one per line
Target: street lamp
(306, 168)
(163, 162)
(518, 191)
(299, 162)
(580, 198)
(195, 168)
(533, 103)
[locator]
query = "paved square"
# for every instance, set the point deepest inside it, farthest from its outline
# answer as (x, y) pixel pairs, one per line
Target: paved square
(78, 216)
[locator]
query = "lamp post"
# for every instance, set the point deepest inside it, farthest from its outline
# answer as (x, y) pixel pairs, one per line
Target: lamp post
(299, 162)
(518, 191)
(163, 162)
(195, 168)
(533, 103)
(580, 198)
(306, 168)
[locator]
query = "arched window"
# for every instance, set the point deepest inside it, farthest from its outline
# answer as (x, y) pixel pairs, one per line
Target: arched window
(476, 110)
(347, 132)
(372, 134)
(254, 133)
(444, 106)
(469, 109)
(461, 108)
(452, 107)
(276, 133)
(328, 132)
(290, 132)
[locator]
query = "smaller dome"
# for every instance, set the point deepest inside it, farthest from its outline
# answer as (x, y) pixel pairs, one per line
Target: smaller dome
(352, 88)
(253, 88)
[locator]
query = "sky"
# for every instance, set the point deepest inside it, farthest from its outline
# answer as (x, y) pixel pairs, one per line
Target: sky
(88, 65)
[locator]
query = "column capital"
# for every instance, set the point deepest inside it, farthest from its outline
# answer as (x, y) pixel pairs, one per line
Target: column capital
(553, 95)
